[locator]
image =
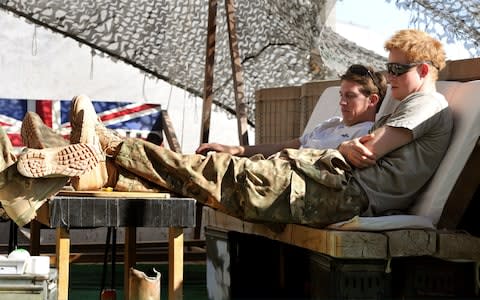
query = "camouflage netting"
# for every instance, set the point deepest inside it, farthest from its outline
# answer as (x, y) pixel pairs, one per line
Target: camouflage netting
(449, 20)
(282, 42)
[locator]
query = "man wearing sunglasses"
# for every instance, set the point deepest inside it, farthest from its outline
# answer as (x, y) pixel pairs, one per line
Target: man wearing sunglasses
(361, 94)
(405, 147)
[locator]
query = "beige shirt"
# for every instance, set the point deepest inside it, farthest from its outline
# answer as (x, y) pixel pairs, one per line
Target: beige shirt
(396, 179)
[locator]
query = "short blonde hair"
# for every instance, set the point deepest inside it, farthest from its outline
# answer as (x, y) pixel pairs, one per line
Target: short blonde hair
(418, 46)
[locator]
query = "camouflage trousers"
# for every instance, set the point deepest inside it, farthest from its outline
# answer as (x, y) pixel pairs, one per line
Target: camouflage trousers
(307, 186)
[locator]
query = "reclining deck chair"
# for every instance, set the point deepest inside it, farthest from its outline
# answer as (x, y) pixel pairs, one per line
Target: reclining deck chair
(413, 235)
(428, 208)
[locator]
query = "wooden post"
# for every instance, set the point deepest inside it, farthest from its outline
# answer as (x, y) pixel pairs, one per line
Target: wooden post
(237, 74)
(170, 132)
(209, 63)
(175, 263)
(63, 261)
(207, 91)
(35, 238)
(175, 146)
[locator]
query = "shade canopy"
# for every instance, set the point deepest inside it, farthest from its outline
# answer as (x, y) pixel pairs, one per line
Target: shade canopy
(281, 42)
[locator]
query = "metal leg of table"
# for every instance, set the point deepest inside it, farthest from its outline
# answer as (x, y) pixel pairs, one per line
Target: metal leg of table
(129, 258)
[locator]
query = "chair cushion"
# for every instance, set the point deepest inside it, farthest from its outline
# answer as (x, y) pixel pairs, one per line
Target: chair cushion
(384, 223)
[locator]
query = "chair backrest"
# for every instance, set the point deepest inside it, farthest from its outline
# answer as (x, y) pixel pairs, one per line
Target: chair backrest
(327, 106)
(463, 99)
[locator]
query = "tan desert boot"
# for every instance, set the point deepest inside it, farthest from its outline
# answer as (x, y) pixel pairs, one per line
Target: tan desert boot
(21, 196)
(83, 119)
(110, 141)
(67, 161)
(37, 135)
(143, 287)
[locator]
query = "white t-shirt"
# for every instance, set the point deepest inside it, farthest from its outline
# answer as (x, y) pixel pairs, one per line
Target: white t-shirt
(332, 132)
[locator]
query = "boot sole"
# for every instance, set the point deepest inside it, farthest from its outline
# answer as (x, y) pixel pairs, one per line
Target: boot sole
(71, 160)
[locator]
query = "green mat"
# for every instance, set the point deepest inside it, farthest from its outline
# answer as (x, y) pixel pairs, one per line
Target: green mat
(86, 279)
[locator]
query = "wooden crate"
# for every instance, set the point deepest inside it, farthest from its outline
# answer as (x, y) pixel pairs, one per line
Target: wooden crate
(282, 113)
(277, 114)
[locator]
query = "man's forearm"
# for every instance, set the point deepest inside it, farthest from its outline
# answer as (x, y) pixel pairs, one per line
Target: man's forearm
(268, 149)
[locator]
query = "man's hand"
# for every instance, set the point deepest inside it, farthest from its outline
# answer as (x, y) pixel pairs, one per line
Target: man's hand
(207, 147)
(365, 151)
(356, 153)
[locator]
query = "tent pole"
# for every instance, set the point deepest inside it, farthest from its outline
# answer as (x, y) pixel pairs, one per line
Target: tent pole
(237, 74)
(209, 63)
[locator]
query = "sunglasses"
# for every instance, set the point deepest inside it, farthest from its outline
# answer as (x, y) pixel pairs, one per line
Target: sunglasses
(364, 71)
(397, 69)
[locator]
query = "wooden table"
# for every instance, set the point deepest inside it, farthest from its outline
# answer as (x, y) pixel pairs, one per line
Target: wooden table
(114, 209)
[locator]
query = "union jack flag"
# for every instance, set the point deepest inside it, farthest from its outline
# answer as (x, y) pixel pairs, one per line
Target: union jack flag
(129, 119)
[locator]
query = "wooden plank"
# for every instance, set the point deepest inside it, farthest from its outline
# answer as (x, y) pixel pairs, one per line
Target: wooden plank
(175, 263)
(411, 242)
(129, 258)
(63, 262)
(456, 245)
(461, 70)
(237, 74)
(114, 194)
(208, 78)
(340, 244)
